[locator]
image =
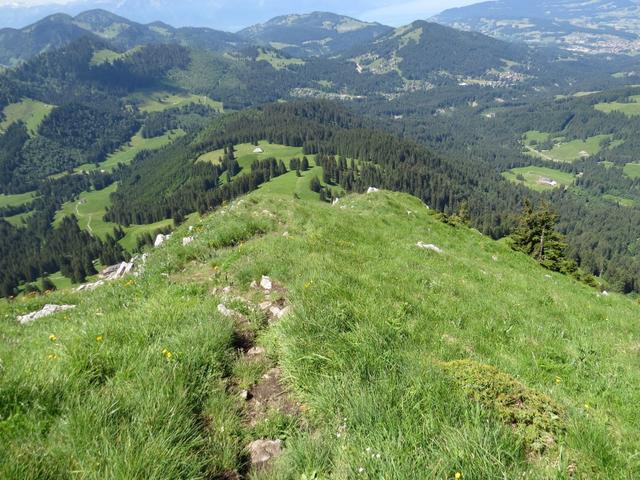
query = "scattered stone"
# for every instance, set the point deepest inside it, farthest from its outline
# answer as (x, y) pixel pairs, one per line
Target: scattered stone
(495, 258)
(256, 352)
(90, 286)
(160, 239)
(187, 240)
(279, 313)
(46, 311)
(254, 284)
(191, 228)
(430, 247)
(263, 451)
(285, 234)
(372, 190)
(226, 290)
(605, 293)
(335, 201)
(265, 283)
(264, 306)
(224, 311)
(245, 395)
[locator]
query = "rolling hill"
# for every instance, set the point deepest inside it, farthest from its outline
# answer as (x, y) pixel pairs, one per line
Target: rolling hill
(313, 34)
(425, 51)
(599, 26)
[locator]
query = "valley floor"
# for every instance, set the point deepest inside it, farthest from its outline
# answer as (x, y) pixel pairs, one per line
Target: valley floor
(394, 362)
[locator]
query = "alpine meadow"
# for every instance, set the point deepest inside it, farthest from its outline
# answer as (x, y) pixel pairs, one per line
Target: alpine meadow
(319, 247)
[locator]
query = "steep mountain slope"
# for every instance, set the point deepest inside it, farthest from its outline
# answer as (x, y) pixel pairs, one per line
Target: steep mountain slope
(599, 26)
(59, 30)
(393, 359)
(317, 33)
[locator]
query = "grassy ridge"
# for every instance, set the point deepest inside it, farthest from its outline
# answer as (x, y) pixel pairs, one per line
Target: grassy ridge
(378, 326)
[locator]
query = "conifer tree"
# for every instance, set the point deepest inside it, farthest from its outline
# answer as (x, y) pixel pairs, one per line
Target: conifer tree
(536, 235)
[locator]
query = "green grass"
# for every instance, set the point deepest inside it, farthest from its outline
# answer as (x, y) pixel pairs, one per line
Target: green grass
(278, 62)
(632, 170)
(31, 112)
(533, 175)
(16, 200)
(157, 101)
(622, 201)
(132, 232)
(629, 109)
(89, 209)
(106, 55)
(566, 151)
(103, 56)
(127, 153)
(245, 156)
(19, 219)
(475, 361)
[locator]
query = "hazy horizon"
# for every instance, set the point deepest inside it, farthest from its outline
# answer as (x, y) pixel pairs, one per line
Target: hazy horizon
(224, 14)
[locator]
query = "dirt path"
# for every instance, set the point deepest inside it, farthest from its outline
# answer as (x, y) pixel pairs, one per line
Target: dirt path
(79, 215)
(540, 154)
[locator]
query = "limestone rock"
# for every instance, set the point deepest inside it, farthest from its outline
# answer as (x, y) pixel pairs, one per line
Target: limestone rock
(256, 352)
(279, 313)
(430, 247)
(187, 240)
(224, 311)
(46, 311)
(372, 190)
(266, 283)
(160, 239)
(264, 451)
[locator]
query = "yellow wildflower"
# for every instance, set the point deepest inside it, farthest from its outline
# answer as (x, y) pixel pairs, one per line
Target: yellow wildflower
(53, 338)
(167, 354)
(99, 338)
(458, 476)
(52, 356)
(558, 380)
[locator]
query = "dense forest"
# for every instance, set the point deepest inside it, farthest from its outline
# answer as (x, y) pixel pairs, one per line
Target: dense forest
(445, 143)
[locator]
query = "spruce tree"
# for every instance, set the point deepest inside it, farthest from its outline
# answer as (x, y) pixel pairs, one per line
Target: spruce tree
(536, 235)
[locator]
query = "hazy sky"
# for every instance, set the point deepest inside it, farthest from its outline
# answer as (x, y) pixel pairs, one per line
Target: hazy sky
(235, 14)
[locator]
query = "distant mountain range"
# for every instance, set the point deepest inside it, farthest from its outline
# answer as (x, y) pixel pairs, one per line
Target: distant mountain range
(296, 35)
(316, 33)
(59, 30)
(587, 26)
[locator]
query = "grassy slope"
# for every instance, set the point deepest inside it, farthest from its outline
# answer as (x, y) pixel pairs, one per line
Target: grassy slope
(157, 101)
(562, 150)
(630, 109)
(15, 200)
(373, 318)
(532, 175)
(91, 207)
(632, 170)
(245, 156)
(127, 152)
(31, 112)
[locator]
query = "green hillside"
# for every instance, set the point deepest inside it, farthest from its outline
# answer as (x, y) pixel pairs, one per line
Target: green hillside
(396, 359)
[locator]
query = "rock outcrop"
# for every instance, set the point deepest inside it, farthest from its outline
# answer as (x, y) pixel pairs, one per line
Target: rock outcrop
(45, 311)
